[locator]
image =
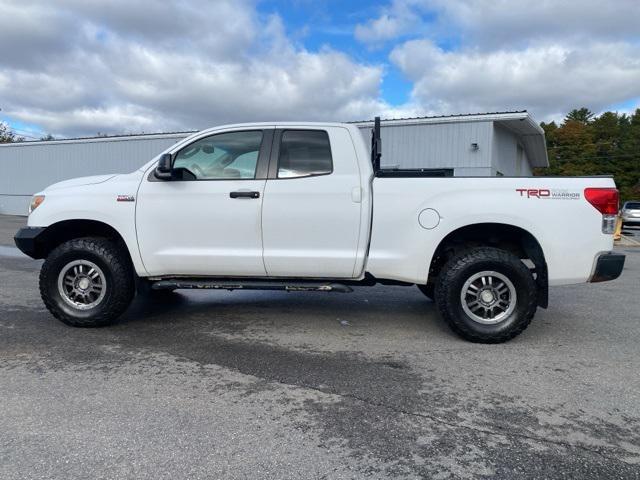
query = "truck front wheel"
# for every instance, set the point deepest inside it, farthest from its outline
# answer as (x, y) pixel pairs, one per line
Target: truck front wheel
(486, 295)
(87, 282)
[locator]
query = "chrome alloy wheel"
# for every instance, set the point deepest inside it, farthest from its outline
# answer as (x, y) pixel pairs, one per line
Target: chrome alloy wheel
(488, 297)
(82, 284)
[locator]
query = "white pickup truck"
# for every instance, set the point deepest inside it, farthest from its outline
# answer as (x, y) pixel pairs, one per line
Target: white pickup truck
(306, 206)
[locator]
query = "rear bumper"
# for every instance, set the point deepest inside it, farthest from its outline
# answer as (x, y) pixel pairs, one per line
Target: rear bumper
(27, 240)
(608, 267)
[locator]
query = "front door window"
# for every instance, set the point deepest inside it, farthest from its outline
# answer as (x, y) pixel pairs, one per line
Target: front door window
(225, 156)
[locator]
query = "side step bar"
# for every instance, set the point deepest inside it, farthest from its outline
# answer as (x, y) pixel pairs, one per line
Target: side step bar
(250, 285)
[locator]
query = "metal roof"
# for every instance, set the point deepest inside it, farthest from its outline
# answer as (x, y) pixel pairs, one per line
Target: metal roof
(112, 138)
(455, 117)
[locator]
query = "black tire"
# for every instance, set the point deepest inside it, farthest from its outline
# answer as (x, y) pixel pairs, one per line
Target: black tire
(427, 290)
(461, 268)
(119, 286)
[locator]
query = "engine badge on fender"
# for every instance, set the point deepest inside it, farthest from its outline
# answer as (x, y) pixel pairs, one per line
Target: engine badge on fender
(126, 198)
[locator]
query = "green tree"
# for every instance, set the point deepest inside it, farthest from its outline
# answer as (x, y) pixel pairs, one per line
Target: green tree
(582, 115)
(585, 144)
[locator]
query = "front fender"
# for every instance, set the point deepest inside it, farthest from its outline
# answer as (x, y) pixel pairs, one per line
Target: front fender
(112, 203)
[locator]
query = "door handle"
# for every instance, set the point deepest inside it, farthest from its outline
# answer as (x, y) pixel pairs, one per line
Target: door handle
(244, 194)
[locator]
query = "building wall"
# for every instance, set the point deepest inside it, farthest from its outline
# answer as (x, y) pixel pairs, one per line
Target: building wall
(527, 171)
(508, 156)
(30, 167)
(27, 168)
(504, 151)
(433, 145)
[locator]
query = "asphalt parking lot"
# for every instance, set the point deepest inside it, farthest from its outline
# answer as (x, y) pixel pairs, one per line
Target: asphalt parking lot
(632, 233)
(317, 386)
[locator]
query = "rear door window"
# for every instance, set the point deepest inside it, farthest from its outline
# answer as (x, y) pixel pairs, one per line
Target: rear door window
(304, 153)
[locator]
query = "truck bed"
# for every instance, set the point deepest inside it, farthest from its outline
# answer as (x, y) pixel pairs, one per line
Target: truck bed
(552, 209)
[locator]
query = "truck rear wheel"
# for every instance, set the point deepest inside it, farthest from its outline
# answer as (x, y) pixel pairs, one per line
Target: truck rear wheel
(486, 295)
(87, 282)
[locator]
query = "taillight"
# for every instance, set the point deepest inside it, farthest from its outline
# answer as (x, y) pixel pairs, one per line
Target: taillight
(605, 200)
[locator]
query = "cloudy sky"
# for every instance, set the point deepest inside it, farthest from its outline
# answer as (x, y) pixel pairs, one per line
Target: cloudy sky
(79, 67)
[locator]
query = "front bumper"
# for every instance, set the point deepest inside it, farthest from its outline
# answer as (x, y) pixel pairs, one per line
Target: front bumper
(608, 267)
(27, 240)
(631, 221)
(631, 218)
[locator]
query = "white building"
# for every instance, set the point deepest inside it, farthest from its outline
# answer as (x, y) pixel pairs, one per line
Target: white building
(507, 143)
(487, 144)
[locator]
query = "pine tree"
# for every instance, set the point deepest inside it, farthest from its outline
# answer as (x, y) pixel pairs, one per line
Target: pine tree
(581, 115)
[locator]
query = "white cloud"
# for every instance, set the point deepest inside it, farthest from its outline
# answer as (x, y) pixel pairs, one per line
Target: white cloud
(78, 67)
(503, 23)
(398, 20)
(386, 27)
(512, 23)
(549, 79)
(82, 67)
(545, 56)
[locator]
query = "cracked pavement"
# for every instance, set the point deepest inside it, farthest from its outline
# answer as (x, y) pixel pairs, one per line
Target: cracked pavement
(314, 385)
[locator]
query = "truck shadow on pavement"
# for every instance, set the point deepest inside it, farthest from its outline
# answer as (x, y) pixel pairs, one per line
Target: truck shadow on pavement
(237, 310)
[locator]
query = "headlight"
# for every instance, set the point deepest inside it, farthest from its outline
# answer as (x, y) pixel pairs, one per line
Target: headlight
(35, 202)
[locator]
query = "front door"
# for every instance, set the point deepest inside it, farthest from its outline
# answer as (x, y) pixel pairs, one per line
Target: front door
(208, 222)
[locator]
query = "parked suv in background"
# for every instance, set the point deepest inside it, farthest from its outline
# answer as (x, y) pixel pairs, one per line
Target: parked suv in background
(630, 213)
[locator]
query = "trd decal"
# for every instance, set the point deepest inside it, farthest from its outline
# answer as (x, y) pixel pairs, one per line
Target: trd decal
(545, 193)
(126, 198)
(533, 192)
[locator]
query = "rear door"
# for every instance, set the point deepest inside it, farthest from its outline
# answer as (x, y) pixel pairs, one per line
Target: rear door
(312, 204)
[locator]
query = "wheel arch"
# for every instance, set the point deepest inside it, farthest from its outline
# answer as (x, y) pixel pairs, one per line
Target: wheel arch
(506, 236)
(64, 230)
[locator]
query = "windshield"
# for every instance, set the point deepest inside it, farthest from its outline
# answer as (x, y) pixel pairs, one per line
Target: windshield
(632, 206)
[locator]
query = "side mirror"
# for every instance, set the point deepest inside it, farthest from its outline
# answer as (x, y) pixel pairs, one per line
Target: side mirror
(163, 169)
